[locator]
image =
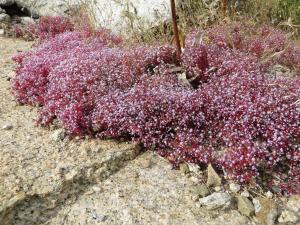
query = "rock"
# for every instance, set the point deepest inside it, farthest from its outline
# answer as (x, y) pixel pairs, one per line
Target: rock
(96, 189)
(215, 201)
(234, 187)
(2, 32)
(2, 10)
(194, 168)
(288, 216)
(257, 205)
(268, 211)
(218, 188)
(4, 17)
(184, 168)
(269, 194)
(213, 179)
(202, 191)
(245, 206)
(245, 193)
(294, 203)
(58, 135)
(6, 2)
(27, 20)
(7, 127)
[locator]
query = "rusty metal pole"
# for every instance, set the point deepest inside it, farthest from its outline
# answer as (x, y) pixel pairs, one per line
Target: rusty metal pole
(175, 28)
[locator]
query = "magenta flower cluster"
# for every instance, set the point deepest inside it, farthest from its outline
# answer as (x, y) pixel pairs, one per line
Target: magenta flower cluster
(235, 115)
(46, 27)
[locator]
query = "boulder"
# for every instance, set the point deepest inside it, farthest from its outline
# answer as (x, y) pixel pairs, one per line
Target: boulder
(120, 16)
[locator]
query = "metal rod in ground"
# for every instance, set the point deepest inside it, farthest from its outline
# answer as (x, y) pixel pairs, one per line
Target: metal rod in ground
(175, 28)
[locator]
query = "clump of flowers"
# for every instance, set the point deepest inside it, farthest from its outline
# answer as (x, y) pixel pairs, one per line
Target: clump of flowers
(234, 115)
(44, 28)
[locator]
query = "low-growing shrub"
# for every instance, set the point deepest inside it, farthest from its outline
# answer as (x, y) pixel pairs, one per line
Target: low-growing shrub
(235, 115)
(44, 28)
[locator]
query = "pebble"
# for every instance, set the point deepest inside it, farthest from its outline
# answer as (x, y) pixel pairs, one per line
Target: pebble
(58, 135)
(7, 127)
(2, 32)
(269, 194)
(245, 193)
(234, 187)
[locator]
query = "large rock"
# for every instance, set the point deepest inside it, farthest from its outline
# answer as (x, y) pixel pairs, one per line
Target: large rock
(120, 16)
(40, 7)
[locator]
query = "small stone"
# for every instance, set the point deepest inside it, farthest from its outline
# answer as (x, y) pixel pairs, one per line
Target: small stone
(213, 179)
(184, 168)
(194, 168)
(7, 127)
(245, 206)
(202, 191)
(2, 32)
(257, 205)
(268, 213)
(27, 20)
(294, 203)
(245, 193)
(58, 135)
(269, 194)
(234, 187)
(96, 189)
(218, 188)
(4, 17)
(288, 216)
(194, 179)
(215, 200)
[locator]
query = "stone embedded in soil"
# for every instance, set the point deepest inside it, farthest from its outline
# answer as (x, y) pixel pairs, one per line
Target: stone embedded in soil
(58, 135)
(215, 200)
(268, 212)
(234, 187)
(213, 179)
(184, 168)
(245, 206)
(7, 127)
(4, 17)
(202, 191)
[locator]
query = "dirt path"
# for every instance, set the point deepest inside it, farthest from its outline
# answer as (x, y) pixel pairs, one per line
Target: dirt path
(47, 179)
